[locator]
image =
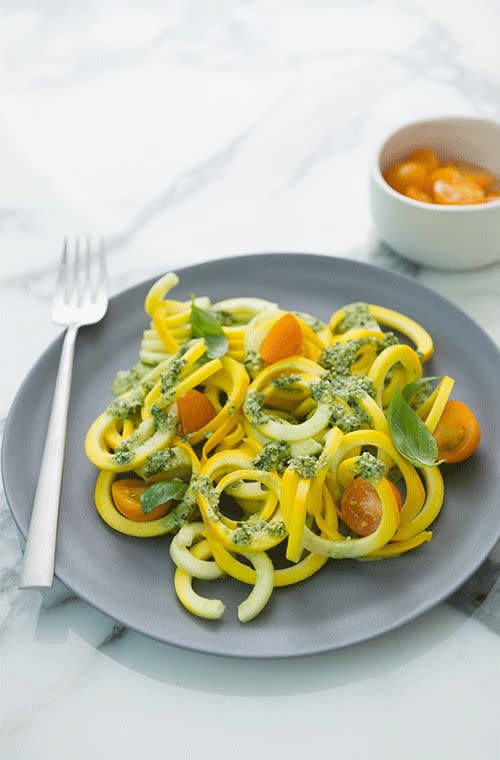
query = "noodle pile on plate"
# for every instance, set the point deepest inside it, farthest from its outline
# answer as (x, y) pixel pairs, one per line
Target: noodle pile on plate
(293, 417)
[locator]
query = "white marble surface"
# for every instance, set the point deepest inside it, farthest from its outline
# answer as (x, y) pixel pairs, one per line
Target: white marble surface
(183, 131)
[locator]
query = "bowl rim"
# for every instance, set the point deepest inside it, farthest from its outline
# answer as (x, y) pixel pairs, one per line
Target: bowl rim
(437, 208)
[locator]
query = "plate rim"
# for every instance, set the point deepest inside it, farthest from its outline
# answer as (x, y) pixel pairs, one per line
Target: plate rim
(318, 650)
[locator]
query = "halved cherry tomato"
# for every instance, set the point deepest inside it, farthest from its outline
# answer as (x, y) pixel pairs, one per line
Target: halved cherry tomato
(397, 495)
(195, 411)
(481, 176)
(462, 191)
(407, 173)
(418, 195)
(427, 157)
(127, 499)
(457, 432)
(447, 173)
(284, 339)
(360, 506)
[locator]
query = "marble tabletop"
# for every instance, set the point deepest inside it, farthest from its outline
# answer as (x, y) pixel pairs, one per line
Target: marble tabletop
(182, 131)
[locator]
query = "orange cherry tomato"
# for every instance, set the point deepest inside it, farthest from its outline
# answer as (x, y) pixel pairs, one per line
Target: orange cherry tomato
(195, 411)
(127, 499)
(397, 495)
(426, 157)
(284, 339)
(481, 176)
(447, 173)
(457, 432)
(490, 197)
(360, 506)
(407, 173)
(418, 195)
(463, 191)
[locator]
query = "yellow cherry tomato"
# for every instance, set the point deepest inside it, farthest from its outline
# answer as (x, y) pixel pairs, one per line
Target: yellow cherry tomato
(283, 340)
(418, 195)
(446, 173)
(462, 191)
(426, 157)
(490, 197)
(481, 176)
(195, 411)
(127, 499)
(407, 173)
(457, 432)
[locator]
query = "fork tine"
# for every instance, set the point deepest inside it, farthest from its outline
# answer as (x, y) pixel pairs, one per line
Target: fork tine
(86, 292)
(61, 291)
(74, 296)
(102, 288)
(81, 296)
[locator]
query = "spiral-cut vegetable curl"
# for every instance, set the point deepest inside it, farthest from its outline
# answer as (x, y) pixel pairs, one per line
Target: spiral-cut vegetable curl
(283, 448)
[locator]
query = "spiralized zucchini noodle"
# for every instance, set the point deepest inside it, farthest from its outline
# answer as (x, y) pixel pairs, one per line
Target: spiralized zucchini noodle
(262, 440)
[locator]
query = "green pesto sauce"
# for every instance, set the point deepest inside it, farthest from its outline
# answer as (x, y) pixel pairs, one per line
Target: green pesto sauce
(357, 315)
(169, 378)
(160, 461)
(304, 466)
(273, 457)
(247, 531)
(369, 468)
(341, 356)
(126, 408)
(165, 423)
(348, 388)
(201, 484)
(252, 408)
(183, 512)
(314, 323)
(253, 362)
(347, 420)
(234, 486)
(124, 454)
(286, 382)
(341, 393)
(124, 380)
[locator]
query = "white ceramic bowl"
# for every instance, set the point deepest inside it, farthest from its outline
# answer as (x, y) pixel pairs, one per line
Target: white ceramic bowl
(444, 237)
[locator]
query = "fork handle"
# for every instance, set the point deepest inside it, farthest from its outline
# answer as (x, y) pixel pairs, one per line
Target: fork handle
(39, 554)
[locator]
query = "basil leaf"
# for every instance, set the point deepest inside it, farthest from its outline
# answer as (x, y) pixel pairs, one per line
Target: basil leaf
(205, 324)
(409, 434)
(410, 389)
(216, 346)
(159, 493)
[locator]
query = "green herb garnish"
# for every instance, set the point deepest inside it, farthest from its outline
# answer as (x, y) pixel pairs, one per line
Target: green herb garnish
(410, 389)
(409, 434)
(159, 493)
(205, 324)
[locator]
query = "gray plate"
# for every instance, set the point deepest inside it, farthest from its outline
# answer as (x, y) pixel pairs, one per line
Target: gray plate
(346, 602)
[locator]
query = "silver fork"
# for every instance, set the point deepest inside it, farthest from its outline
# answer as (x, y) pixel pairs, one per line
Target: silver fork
(81, 298)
